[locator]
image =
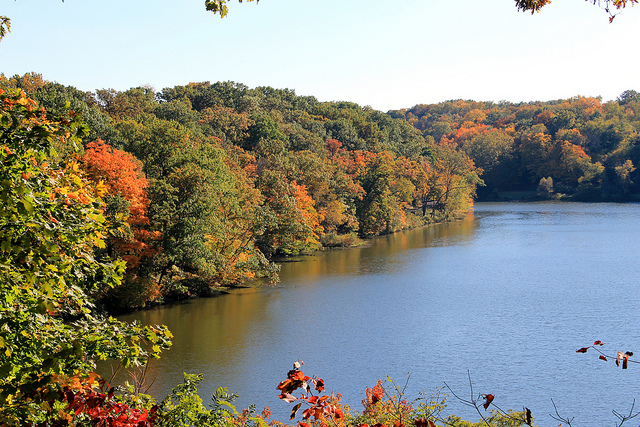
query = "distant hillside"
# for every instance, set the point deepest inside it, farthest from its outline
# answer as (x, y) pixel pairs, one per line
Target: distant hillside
(579, 147)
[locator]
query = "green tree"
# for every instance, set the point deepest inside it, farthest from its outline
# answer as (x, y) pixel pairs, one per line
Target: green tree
(50, 225)
(381, 209)
(454, 181)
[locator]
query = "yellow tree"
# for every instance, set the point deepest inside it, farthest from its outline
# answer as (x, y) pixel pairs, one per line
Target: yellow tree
(454, 180)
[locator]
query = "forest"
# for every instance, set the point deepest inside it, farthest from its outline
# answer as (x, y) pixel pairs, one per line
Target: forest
(206, 185)
(119, 200)
(576, 149)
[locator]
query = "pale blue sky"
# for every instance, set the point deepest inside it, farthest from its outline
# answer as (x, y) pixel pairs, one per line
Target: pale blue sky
(386, 54)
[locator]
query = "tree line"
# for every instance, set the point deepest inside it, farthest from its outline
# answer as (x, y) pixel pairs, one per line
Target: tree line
(579, 148)
(208, 185)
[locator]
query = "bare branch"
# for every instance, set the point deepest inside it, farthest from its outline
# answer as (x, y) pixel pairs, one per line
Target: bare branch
(624, 418)
(559, 417)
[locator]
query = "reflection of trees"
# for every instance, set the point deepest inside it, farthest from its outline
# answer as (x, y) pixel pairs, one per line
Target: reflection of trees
(356, 261)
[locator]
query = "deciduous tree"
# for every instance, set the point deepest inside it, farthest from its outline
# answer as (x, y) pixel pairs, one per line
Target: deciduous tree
(50, 225)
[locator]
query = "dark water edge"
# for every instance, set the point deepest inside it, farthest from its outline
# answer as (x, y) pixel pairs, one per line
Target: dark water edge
(507, 296)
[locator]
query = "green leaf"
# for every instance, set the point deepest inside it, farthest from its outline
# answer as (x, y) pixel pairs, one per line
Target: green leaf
(28, 206)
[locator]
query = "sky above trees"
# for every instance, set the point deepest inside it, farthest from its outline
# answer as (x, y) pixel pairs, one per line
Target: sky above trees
(388, 55)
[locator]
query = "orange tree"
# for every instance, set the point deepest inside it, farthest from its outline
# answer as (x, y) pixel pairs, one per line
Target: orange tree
(130, 237)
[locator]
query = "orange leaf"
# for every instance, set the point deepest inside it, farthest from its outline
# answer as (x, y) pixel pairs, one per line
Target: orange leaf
(338, 413)
(296, 375)
(306, 414)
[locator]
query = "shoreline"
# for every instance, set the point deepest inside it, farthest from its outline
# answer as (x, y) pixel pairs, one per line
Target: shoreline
(214, 292)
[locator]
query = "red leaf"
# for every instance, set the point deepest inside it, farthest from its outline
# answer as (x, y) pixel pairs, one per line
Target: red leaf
(306, 414)
(288, 386)
(625, 361)
(338, 413)
(598, 343)
(603, 358)
(319, 384)
(488, 398)
(582, 350)
(295, 374)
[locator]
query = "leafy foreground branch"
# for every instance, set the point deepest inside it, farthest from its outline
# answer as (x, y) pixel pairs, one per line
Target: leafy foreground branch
(387, 406)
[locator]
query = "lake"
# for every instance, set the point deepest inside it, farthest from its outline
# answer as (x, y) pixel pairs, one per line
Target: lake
(505, 296)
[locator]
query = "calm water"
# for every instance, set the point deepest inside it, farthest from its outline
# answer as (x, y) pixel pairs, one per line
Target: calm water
(507, 295)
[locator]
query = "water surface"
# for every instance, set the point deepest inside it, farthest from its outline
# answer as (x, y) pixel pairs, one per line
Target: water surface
(505, 297)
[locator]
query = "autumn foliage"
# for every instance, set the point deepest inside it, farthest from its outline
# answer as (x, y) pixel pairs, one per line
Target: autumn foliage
(131, 238)
(586, 146)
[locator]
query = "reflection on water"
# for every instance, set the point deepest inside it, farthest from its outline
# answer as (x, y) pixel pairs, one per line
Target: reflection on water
(383, 255)
(507, 294)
